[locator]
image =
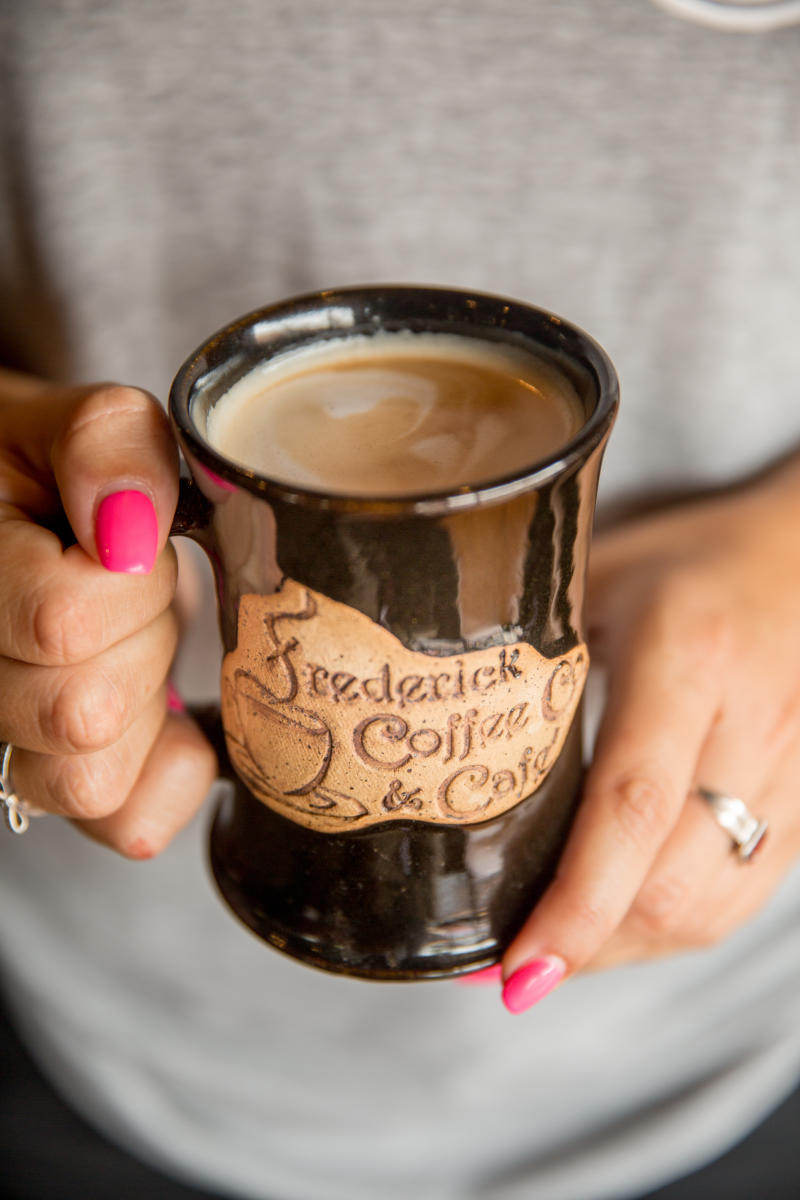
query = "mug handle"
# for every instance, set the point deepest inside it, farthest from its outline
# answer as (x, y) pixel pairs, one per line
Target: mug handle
(193, 512)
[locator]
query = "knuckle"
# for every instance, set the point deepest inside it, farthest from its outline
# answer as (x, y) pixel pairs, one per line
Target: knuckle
(109, 399)
(107, 402)
(62, 631)
(662, 907)
(590, 917)
(583, 911)
(86, 787)
(86, 713)
(642, 809)
(670, 911)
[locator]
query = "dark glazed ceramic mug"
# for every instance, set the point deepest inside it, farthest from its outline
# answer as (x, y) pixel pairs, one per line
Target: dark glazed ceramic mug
(402, 675)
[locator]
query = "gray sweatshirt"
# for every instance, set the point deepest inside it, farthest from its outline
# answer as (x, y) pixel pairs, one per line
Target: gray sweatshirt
(633, 166)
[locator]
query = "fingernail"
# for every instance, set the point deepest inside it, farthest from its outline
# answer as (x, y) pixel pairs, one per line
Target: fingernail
(126, 533)
(491, 974)
(217, 480)
(531, 983)
(174, 702)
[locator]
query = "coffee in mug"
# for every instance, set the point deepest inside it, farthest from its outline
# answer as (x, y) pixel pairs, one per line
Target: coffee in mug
(396, 414)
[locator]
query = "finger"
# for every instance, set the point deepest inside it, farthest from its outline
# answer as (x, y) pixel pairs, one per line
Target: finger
(132, 796)
(756, 728)
(86, 707)
(58, 607)
(94, 785)
(172, 785)
(115, 464)
(696, 892)
(659, 711)
(724, 891)
(674, 909)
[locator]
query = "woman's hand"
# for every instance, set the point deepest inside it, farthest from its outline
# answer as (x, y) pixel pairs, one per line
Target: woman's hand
(87, 633)
(695, 614)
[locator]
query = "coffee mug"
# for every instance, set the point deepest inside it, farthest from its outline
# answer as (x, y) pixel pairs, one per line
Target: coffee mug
(402, 674)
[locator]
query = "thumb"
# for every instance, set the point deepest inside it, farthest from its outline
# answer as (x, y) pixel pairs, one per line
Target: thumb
(115, 465)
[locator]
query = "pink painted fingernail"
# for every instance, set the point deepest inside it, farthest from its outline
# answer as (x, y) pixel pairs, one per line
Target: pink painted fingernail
(217, 480)
(174, 702)
(126, 533)
(491, 974)
(531, 983)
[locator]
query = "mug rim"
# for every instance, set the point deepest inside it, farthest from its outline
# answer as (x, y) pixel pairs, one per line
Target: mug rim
(513, 314)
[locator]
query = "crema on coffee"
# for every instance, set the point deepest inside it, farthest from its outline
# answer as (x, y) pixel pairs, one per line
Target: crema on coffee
(396, 414)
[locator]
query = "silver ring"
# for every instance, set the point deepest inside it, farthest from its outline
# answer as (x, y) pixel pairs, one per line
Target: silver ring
(732, 814)
(17, 811)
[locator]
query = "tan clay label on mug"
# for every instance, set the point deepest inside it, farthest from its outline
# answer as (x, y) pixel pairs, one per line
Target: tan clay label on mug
(332, 722)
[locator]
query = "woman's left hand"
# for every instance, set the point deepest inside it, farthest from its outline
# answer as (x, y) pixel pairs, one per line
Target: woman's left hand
(695, 614)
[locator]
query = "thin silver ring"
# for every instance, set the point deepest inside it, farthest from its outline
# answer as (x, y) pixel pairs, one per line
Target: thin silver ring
(732, 814)
(17, 811)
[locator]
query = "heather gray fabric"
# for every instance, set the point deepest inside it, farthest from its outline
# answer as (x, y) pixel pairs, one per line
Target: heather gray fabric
(167, 166)
(740, 16)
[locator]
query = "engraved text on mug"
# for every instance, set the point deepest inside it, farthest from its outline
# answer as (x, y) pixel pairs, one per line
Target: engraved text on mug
(334, 723)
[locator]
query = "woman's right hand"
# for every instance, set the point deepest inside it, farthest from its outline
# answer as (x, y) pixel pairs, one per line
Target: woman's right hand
(87, 631)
